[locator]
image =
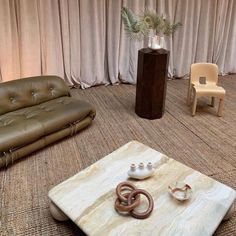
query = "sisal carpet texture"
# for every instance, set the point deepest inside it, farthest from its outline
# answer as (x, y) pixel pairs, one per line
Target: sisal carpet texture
(205, 142)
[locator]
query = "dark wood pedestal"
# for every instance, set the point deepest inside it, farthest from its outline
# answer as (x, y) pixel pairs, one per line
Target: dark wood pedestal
(151, 83)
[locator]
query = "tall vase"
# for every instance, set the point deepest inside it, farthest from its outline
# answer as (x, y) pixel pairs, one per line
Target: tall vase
(155, 42)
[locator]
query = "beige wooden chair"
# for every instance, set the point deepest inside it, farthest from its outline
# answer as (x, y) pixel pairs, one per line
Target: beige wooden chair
(203, 82)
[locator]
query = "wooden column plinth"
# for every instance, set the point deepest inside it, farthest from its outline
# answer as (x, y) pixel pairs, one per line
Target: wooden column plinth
(151, 83)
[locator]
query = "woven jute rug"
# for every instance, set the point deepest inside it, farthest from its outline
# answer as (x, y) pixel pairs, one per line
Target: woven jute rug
(205, 142)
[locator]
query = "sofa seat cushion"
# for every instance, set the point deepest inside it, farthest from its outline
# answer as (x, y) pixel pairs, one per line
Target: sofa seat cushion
(26, 125)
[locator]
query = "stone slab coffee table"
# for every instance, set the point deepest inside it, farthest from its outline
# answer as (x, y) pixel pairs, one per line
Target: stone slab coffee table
(88, 197)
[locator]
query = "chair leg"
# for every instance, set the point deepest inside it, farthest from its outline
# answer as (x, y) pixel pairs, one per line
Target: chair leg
(213, 101)
(194, 104)
(189, 95)
(220, 108)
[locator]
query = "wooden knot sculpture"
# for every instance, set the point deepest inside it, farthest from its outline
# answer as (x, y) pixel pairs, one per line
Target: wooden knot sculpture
(128, 201)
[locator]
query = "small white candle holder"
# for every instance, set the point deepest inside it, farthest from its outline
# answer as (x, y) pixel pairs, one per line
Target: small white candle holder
(142, 172)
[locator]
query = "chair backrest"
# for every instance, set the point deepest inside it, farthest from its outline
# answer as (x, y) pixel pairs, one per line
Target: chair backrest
(204, 71)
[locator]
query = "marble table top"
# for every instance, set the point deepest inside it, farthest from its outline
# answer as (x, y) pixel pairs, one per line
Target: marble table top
(88, 197)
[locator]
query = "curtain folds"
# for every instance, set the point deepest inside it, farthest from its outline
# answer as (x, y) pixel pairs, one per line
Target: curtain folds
(85, 43)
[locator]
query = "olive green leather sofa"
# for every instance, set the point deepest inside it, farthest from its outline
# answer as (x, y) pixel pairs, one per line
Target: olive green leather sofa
(35, 112)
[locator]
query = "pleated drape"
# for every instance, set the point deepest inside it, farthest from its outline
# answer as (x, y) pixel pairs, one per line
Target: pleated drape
(9, 42)
(84, 41)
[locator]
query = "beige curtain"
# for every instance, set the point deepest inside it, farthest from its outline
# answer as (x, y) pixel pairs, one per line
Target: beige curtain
(85, 43)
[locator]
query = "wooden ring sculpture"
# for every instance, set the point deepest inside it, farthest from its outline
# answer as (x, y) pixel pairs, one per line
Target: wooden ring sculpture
(128, 201)
(124, 186)
(119, 206)
(145, 214)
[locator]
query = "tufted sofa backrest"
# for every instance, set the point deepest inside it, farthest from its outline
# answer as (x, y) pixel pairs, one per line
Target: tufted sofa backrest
(30, 91)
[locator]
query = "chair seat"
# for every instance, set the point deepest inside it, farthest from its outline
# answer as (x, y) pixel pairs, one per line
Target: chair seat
(26, 125)
(210, 90)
